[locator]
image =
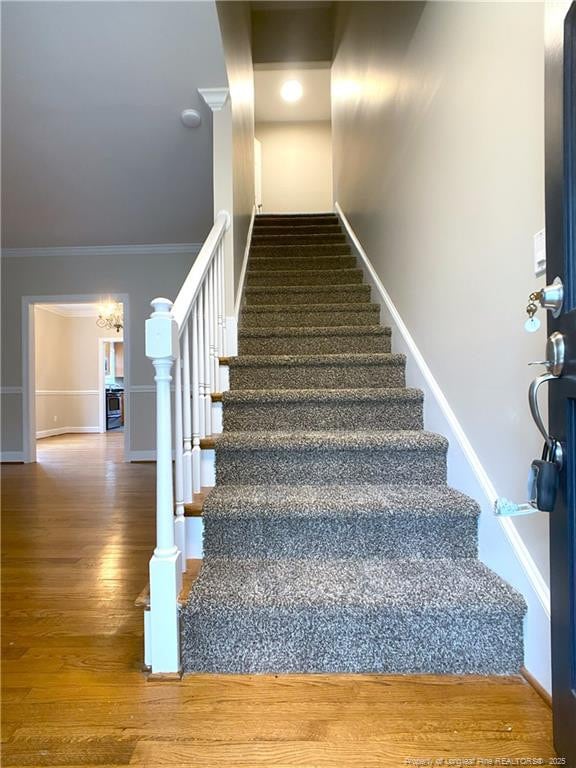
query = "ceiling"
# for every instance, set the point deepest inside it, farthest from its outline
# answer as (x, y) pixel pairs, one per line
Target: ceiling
(314, 104)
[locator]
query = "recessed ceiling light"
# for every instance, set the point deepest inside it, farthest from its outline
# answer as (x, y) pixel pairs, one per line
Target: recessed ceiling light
(291, 90)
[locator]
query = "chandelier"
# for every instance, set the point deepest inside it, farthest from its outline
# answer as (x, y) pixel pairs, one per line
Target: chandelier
(111, 315)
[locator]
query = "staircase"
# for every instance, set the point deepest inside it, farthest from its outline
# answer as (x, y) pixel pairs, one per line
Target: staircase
(332, 542)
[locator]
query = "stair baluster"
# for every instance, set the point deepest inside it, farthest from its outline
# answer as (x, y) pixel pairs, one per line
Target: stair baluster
(179, 449)
(207, 358)
(196, 410)
(186, 415)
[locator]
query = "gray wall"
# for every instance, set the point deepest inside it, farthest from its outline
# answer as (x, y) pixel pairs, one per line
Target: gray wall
(438, 163)
(142, 277)
(93, 150)
(235, 25)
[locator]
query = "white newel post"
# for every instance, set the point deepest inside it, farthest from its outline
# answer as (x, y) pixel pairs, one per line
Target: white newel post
(165, 565)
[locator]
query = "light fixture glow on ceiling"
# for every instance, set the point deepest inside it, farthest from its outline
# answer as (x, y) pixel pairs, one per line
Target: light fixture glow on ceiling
(291, 90)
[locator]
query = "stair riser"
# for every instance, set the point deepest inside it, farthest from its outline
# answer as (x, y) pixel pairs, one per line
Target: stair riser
(309, 277)
(345, 294)
(352, 640)
(391, 536)
(316, 376)
(302, 251)
(302, 229)
(311, 318)
(259, 264)
(314, 345)
(296, 239)
(321, 466)
(318, 416)
(295, 221)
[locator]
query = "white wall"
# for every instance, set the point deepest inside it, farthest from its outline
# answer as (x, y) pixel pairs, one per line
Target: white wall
(296, 166)
(438, 163)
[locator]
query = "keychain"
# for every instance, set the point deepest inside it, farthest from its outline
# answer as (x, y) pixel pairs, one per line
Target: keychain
(532, 324)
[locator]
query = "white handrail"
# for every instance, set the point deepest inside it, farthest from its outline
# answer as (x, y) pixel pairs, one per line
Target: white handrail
(191, 333)
(189, 291)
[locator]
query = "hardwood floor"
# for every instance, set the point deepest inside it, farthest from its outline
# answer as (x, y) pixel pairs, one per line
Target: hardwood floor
(77, 536)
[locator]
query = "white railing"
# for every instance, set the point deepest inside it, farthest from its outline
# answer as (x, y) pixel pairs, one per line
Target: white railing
(190, 333)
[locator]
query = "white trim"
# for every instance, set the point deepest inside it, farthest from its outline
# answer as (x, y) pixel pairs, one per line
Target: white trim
(29, 367)
(146, 249)
(525, 575)
(66, 431)
(12, 457)
(66, 392)
(216, 98)
(240, 291)
(11, 390)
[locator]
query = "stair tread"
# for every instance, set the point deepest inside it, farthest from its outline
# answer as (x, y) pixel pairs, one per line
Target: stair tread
(314, 330)
(258, 309)
(322, 395)
(289, 250)
(390, 440)
(427, 585)
(347, 358)
(342, 500)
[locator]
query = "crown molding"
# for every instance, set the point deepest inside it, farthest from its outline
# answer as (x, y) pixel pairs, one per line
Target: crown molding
(216, 98)
(95, 251)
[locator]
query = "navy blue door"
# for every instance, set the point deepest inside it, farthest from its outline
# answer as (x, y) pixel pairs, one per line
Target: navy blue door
(561, 262)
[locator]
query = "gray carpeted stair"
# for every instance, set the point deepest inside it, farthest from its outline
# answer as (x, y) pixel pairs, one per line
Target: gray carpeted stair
(322, 409)
(284, 296)
(321, 371)
(310, 315)
(304, 277)
(313, 340)
(247, 615)
(332, 542)
(267, 521)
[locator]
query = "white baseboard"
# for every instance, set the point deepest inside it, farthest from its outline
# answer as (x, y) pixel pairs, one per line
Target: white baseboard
(65, 431)
(12, 457)
(500, 545)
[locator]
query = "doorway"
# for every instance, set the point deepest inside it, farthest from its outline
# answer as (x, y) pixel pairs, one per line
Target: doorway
(111, 383)
(293, 155)
(65, 369)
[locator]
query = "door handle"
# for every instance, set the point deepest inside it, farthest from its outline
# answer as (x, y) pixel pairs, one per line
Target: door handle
(535, 408)
(555, 357)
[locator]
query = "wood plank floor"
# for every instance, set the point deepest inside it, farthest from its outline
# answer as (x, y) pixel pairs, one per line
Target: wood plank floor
(77, 535)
